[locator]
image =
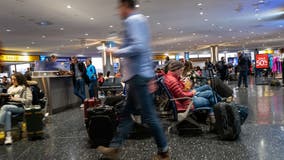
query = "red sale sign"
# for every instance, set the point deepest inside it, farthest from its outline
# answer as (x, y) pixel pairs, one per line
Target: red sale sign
(261, 61)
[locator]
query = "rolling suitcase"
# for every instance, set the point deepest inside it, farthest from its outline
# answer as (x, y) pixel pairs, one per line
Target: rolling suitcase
(102, 125)
(90, 103)
(34, 123)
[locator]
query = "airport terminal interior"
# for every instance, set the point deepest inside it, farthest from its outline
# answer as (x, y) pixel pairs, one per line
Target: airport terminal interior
(63, 85)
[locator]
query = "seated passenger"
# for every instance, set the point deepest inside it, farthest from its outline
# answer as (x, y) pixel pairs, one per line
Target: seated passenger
(20, 92)
(177, 89)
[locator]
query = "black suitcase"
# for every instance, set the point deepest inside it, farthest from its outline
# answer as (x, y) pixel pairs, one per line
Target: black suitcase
(221, 88)
(228, 122)
(102, 125)
(34, 123)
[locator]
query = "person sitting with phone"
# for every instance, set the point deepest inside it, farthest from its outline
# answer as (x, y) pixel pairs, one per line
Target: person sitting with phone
(200, 97)
(20, 93)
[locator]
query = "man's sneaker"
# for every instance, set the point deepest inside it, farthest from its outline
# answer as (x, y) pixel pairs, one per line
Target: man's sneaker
(8, 140)
(161, 156)
(109, 152)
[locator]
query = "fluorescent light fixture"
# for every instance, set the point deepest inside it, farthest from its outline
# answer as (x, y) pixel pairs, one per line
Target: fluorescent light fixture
(92, 18)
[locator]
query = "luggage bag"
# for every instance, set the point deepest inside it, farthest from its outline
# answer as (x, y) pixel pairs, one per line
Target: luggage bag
(34, 123)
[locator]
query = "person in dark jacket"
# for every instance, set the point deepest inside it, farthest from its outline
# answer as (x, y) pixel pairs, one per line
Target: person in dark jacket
(243, 67)
(222, 69)
(78, 71)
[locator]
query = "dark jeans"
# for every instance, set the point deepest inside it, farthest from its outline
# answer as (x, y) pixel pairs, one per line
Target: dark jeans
(93, 90)
(243, 76)
(138, 95)
(79, 89)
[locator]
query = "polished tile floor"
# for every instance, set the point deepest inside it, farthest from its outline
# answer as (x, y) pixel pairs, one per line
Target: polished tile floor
(262, 136)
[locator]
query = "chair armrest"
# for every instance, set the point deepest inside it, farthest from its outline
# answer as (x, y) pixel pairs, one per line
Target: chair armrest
(181, 98)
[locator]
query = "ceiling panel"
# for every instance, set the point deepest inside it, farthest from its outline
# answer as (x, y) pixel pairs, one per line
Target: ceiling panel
(176, 25)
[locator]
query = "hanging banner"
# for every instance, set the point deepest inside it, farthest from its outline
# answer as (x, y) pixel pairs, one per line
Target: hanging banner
(261, 61)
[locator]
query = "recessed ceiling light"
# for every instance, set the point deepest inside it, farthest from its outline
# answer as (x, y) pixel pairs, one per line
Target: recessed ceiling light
(212, 24)
(158, 23)
(86, 34)
(110, 26)
(68, 6)
(194, 34)
(201, 13)
(92, 18)
(230, 30)
(261, 1)
(170, 28)
(241, 31)
(32, 42)
(87, 47)
(28, 47)
(147, 16)
(61, 29)
(137, 5)
(43, 36)
(199, 4)
(8, 30)
(206, 20)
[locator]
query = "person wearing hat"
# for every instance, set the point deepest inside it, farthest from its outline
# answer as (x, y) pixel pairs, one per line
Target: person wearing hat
(177, 89)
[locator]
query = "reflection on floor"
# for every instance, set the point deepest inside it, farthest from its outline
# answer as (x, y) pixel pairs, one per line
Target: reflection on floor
(262, 136)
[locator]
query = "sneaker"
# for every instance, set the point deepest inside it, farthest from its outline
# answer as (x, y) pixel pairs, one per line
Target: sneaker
(109, 152)
(8, 140)
(161, 156)
(82, 105)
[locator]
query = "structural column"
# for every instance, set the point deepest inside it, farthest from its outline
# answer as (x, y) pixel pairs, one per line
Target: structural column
(214, 54)
(107, 59)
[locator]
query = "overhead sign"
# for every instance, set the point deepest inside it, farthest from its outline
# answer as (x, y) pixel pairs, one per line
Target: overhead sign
(261, 61)
(18, 58)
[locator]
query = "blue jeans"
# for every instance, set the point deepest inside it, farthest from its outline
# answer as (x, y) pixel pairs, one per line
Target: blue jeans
(243, 76)
(93, 89)
(203, 88)
(79, 89)
(6, 113)
(206, 91)
(138, 95)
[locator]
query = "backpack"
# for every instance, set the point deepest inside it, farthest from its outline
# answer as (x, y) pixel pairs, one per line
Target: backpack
(228, 122)
(37, 94)
(275, 82)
